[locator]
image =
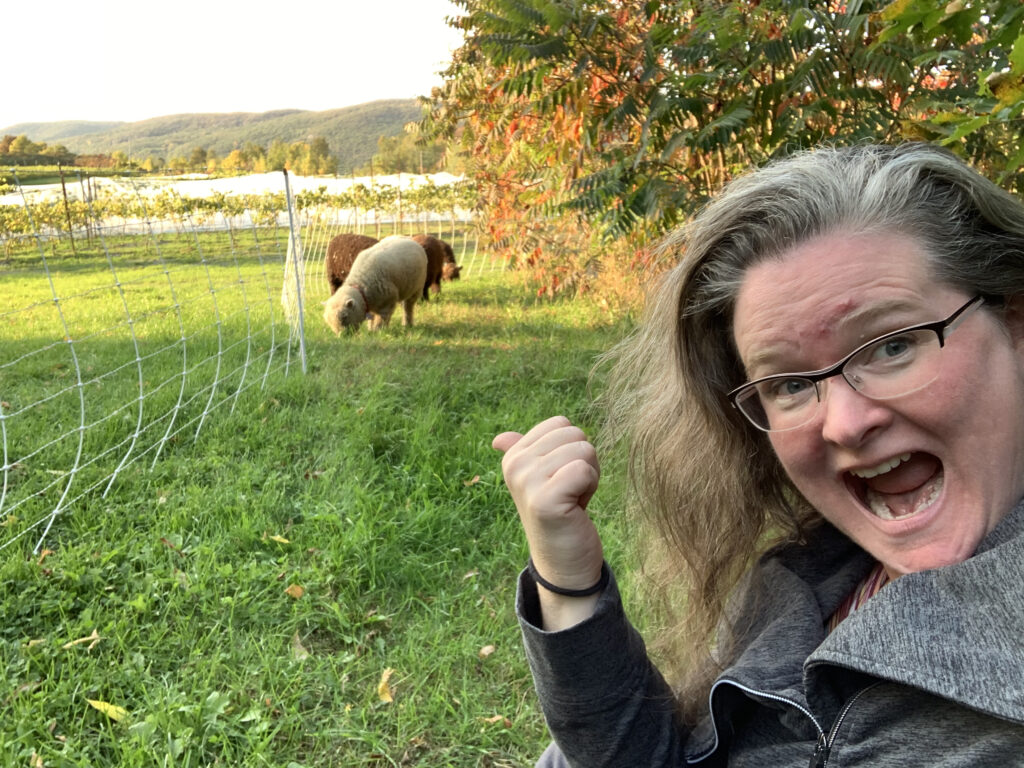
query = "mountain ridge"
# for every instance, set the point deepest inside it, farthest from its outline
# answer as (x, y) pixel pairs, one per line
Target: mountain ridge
(351, 132)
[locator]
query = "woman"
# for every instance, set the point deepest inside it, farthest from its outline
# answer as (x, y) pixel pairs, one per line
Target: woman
(824, 411)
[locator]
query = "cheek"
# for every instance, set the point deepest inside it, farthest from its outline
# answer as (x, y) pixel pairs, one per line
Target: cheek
(801, 455)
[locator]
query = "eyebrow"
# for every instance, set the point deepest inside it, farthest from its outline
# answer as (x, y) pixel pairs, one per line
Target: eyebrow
(864, 315)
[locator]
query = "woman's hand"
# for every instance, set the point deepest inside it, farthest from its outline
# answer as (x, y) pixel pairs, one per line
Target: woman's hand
(552, 472)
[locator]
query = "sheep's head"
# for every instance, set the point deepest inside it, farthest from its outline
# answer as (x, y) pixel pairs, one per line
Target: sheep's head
(343, 310)
(450, 271)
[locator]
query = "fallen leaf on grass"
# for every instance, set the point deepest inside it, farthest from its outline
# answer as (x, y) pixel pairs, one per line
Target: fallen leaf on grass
(295, 591)
(36, 761)
(171, 546)
(384, 692)
(43, 555)
(91, 639)
(498, 719)
(486, 651)
(279, 539)
(298, 649)
(471, 574)
(474, 481)
(112, 711)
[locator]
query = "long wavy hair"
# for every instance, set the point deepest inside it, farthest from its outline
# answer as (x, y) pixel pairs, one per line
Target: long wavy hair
(705, 488)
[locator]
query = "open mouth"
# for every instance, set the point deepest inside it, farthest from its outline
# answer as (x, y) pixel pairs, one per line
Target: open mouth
(899, 487)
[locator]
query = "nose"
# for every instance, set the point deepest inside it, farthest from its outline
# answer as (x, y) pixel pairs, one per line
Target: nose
(848, 417)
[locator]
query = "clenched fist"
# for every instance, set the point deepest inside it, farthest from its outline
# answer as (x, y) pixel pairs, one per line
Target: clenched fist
(552, 472)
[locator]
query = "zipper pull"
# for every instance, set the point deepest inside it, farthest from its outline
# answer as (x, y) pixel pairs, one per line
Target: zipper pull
(821, 750)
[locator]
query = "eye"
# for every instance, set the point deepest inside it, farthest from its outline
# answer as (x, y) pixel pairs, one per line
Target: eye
(892, 351)
(785, 392)
(894, 347)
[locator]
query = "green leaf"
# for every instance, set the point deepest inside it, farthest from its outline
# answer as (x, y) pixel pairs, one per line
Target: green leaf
(966, 128)
(1017, 56)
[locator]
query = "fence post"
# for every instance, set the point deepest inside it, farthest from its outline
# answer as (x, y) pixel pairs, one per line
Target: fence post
(67, 210)
(295, 241)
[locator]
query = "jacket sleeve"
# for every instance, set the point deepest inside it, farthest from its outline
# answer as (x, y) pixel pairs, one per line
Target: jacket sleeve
(605, 703)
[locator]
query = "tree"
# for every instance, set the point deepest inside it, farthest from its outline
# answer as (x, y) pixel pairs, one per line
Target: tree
(277, 155)
(23, 145)
(197, 160)
(629, 115)
(320, 160)
(972, 99)
(409, 152)
(255, 157)
(235, 161)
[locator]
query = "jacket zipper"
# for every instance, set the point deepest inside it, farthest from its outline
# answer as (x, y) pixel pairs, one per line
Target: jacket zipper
(760, 695)
(825, 741)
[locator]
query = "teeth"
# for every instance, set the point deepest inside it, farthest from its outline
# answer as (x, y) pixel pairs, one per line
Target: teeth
(877, 504)
(882, 468)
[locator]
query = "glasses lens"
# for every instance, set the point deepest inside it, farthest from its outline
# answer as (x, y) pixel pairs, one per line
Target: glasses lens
(895, 365)
(778, 404)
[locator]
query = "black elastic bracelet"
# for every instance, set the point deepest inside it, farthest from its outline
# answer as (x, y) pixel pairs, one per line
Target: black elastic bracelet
(601, 583)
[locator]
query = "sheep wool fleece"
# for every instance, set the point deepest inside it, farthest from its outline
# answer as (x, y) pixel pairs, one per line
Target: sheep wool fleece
(929, 672)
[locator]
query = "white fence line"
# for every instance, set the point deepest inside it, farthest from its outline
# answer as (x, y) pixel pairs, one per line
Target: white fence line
(132, 334)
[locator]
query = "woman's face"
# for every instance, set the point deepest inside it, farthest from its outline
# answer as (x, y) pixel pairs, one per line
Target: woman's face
(917, 480)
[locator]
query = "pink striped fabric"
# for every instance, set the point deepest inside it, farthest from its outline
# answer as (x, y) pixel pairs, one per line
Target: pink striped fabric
(873, 582)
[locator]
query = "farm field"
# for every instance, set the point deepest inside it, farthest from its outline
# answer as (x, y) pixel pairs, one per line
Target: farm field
(325, 575)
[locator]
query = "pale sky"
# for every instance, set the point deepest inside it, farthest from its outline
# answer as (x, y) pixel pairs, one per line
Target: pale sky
(135, 59)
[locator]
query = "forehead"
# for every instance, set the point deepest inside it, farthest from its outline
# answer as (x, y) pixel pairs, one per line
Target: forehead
(806, 307)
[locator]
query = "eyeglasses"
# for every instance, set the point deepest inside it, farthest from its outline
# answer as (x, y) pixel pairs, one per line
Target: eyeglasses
(892, 365)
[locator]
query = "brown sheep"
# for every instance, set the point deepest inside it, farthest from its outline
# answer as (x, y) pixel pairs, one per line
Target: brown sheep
(450, 270)
(435, 262)
(341, 252)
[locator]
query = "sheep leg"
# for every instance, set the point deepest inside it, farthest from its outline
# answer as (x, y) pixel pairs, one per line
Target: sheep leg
(384, 316)
(407, 317)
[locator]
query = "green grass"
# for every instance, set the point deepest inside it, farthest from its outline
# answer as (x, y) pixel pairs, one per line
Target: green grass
(370, 483)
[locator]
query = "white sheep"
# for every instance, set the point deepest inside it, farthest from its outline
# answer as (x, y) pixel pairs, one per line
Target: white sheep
(394, 270)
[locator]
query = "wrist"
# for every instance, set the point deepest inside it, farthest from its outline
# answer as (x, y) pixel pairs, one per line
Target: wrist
(571, 592)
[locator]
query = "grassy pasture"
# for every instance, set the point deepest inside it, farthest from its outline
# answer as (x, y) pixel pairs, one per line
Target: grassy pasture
(243, 598)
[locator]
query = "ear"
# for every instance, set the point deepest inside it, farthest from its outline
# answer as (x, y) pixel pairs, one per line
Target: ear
(349, 303)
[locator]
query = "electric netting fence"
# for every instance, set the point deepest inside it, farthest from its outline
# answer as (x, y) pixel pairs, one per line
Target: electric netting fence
(122, 336)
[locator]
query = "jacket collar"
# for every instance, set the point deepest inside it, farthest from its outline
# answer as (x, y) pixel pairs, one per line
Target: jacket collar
(956, 631)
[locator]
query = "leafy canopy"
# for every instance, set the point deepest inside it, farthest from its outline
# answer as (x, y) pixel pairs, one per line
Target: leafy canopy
(587, 118)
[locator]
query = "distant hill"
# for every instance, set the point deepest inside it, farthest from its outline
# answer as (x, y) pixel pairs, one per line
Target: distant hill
(58, 133)
(351, 132)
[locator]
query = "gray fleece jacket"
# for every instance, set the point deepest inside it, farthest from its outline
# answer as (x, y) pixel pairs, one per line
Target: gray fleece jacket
(930, 672)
